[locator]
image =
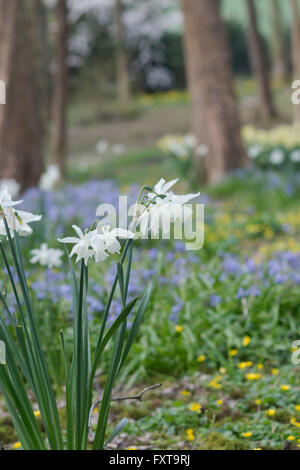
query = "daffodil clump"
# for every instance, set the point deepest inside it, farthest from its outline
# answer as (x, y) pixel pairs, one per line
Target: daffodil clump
(275, 148)
(25, 372)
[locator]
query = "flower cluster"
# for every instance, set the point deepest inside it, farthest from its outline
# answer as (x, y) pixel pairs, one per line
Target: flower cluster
(16, 220)
(273, 148)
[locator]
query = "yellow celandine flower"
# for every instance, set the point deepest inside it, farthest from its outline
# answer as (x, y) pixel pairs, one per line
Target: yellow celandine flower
(260, 366)
(244, 365)
(233, 352)
(178, 328)
(246, 341)
(131, 448)
(37, 413)
(196, 407)
(215, 382)
(274, 371)
(258, 402)
(285, 388)
(219, 402)
(185, 393)
(294, 422)
(297, 407)
(290, 438)
(190, 434)
(16, 445)
(247, 434)
(201, 358)
(253, 376)
(271, 412)
(222, 370)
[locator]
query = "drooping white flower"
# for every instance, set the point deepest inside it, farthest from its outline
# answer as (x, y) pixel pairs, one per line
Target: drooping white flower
(109, 237)
(16, 220)
(11, 185)
(254, 151)
(276, 157)
(82, 244)
(46, 256)
(49, 178)
(163, 208)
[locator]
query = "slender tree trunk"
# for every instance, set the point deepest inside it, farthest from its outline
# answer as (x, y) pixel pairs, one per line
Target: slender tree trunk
(259, 64)
(60, 92)
(20, 139)
(296, 50)
(122, 66)
(280, 67)
(214, 107)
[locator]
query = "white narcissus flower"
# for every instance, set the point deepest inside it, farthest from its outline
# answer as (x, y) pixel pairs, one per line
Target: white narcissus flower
(99, 243)
(16, 220)
(82, 244)
(49, 178)
(46, 256)
(11, 185)
(163, 208)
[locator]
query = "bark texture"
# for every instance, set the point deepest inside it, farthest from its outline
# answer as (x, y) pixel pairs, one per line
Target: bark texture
(20, 139)
(215, 113)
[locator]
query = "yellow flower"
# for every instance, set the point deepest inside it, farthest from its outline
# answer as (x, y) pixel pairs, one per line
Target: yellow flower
(215, 382)
(297, 407)
(178, 328)
(233, 352)
(219, 402)
(16, 445)
(201, 358)
(246, 341)
(275, 371)
(37, 413)
(271, 412)
(285, 388)
(258, 402)
(253, 376)
(196, 407)
(244, 365)
(294, 422)
(190, 434)
(222, 370)
(260, 366)
(185, 393)
(290, 438)
(247, 434)
(131, 448)
(257, 448)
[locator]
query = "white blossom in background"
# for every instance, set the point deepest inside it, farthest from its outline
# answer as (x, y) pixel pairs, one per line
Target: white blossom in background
(202, 150)
(50, 178)
(102, 147)
(254, 151)
(118, 149)
(45, 256)
(276, 157)
(11, 185)
(295, 156)
(16, 220)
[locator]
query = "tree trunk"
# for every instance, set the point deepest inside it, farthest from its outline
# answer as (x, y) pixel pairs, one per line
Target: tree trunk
(259, 64)
(60, 92)
(20, 139)
(280, 66)
(122, 66)
(296, 50)
(214, 108)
